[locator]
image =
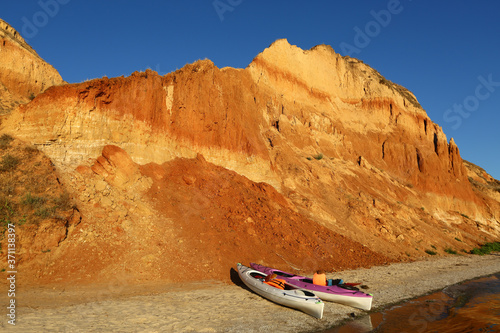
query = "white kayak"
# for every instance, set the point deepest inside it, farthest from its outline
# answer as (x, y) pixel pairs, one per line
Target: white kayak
(292, 297)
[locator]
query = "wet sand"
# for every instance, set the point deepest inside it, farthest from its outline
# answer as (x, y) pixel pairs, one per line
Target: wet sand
(217, 307)
(472, 306)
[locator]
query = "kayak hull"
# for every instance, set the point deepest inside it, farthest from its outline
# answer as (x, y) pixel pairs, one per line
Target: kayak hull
(292, 297)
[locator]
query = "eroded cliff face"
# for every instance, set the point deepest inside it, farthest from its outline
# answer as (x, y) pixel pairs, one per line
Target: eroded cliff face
(23, 74)
(198, 109)
(358, 152)
(348, 110)
(345, 153)
(314, 99)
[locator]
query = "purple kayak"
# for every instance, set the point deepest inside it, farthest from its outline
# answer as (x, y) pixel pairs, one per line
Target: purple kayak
(336, 293)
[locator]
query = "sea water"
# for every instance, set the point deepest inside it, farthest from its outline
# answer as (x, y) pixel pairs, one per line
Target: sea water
(472, 306)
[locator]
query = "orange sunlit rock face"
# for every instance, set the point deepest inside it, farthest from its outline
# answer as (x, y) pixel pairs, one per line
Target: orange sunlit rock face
(304, 159)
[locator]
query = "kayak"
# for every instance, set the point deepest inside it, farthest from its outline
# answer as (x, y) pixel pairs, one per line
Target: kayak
(345, 295)
(291, 296)
(341, 294)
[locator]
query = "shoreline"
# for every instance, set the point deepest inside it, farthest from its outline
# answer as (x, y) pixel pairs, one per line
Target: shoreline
(216, 307)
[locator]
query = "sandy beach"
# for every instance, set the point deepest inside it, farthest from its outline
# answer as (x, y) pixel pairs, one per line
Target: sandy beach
(217, 307)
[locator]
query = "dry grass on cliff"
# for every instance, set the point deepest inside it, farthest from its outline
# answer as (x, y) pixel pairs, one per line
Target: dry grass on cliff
(31, 191)
(483, 180)
(490, 185)
(401, 90)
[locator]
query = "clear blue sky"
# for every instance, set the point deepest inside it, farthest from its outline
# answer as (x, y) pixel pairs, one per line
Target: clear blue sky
(446, 52)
